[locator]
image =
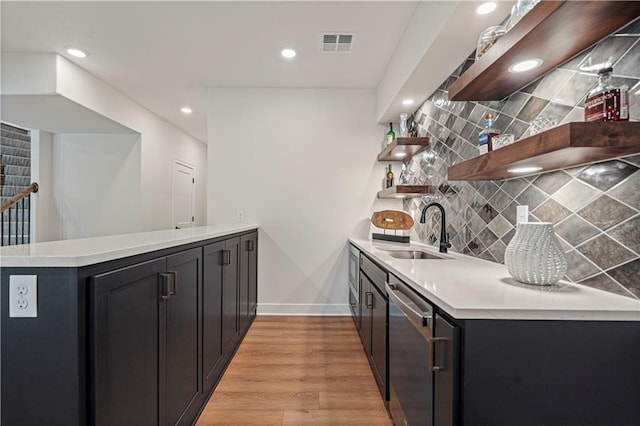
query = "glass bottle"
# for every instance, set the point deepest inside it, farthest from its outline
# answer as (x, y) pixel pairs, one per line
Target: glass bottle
(486, 135)
(389, 177)
(391, 135)
(403, 179)
(607, 101)
(413, 127)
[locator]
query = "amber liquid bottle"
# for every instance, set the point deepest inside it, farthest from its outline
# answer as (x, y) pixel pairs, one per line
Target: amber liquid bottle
(607, 102)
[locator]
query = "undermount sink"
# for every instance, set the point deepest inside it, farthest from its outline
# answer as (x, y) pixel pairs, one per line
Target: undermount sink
(411, 254)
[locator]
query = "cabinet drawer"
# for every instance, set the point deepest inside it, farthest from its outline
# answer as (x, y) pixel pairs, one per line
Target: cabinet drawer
(377, 275)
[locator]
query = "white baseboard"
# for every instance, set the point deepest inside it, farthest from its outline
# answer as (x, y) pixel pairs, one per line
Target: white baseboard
(303, 309)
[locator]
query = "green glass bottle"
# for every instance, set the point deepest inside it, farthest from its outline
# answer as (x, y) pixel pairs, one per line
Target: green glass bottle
(391, 135)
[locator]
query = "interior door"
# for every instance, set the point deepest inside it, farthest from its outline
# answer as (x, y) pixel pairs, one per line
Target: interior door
(183, 199)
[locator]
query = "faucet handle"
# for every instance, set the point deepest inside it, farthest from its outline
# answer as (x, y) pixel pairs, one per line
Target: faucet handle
(447, 242)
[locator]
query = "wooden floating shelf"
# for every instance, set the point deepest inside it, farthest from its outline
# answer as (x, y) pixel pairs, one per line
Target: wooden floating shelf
(405, 191)
(553, 31)
(403, 148)
(568, 145)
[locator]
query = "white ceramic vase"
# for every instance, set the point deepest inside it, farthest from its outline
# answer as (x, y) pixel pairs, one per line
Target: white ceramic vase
(534, 255)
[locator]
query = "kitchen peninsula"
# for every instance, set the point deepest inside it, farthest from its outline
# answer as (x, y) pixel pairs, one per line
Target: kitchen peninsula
(128, 325)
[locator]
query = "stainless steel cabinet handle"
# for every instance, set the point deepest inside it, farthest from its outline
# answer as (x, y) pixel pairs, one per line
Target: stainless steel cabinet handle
(226, 257)
(368, 299)
(173, 283)
(432, 347)
(164, 285)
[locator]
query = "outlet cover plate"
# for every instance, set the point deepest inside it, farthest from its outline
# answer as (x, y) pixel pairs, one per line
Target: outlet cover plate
(23, 296)
(522, 214)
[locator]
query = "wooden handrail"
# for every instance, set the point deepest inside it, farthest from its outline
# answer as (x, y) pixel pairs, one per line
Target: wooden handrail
(19, 196)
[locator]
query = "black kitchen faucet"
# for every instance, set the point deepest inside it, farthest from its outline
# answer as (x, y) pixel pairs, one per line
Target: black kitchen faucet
(444, 236)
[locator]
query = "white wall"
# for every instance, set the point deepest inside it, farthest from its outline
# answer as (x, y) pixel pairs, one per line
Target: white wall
(70, 170)
(160, 141)
(302, 164)
(45, 219)
(96, 184)
(426, 21)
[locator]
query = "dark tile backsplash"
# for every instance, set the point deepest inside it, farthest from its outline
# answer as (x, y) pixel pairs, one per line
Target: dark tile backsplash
(595, 208)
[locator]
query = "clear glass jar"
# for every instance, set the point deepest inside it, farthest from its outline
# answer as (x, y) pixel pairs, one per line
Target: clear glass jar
(487, 38)
(524, 6)
(404, 130)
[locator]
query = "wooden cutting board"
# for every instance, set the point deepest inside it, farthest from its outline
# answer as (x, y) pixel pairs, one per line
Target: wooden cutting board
(392, 219)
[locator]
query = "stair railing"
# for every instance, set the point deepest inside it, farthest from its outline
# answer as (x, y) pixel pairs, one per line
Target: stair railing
(19, 221)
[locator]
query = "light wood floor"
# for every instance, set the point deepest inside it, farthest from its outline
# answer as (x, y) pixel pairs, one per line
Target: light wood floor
(298, 371)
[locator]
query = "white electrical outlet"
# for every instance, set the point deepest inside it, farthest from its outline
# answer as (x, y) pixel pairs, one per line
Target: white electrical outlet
(23, 296)
(240, 215)
(522, 214)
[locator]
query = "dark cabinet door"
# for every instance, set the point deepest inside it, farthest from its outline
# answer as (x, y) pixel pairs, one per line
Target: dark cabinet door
(248, 279)
(379, 340)
(243, 290)
(212, 313)
(183, 376)
(125, 317)
(354, 305)
(230, 293)
(446, 361)
(367, 304)
(252, 240)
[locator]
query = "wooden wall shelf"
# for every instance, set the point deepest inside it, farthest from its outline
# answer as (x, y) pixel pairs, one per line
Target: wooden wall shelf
(403, 148)
(568, 145)
(553, 31)
(405, 191)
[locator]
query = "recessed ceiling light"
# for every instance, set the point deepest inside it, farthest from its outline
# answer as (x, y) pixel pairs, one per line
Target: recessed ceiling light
(486, 8)
(527, 65)
(407, 102)
(78, 53)
(288, 53)
(186, 110)
(525, 169)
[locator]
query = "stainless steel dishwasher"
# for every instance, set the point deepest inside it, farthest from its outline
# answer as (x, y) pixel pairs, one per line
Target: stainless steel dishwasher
(422, 360)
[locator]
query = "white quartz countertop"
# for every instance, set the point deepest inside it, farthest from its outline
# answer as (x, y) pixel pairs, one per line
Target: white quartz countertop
(470, 288)
(89, 251)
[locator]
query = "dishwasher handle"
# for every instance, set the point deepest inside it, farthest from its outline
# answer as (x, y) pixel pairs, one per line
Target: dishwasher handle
(420, 318)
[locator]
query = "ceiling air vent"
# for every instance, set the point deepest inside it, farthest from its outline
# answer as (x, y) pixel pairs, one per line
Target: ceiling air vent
(336, 42)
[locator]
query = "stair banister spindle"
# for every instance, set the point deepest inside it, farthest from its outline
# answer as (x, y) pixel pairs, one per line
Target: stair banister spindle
(18, 229)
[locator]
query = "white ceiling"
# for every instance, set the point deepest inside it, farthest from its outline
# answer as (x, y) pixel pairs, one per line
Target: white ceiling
(164, 54)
